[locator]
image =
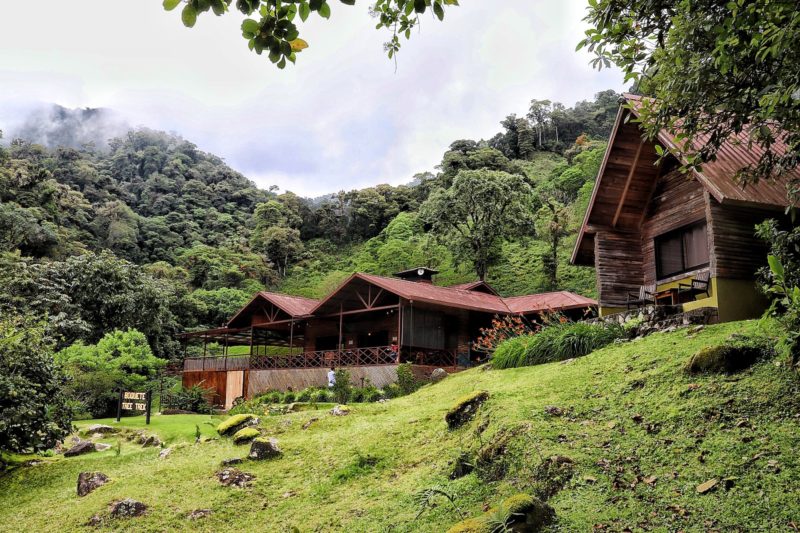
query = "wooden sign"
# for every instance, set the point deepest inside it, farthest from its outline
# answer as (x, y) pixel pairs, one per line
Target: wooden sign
(134, 401)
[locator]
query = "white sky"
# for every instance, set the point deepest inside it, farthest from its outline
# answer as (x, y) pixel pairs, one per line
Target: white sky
(342, 118)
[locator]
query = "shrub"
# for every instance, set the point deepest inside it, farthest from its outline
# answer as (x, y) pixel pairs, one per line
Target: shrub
(187, 399)
(235, 423)
(357, 395)
(405, 379)
(321, 396)
(342, 388)
(556, 342)
(288, 397)
(305, 395)
(372, 394)
(274, 397)
(392, 390)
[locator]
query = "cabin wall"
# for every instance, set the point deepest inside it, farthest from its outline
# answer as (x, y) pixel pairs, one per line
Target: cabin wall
(618, 262)
(738, 252)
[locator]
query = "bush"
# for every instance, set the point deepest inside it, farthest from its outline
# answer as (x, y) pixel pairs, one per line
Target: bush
(288, 397)
(357, 395)
(33, 411)
(274, 397)
(405, 379)
(556, 342)
(392, 390)
(187, 399)
(342, 388)
(305, 395)
(372, 394)
(321, 396)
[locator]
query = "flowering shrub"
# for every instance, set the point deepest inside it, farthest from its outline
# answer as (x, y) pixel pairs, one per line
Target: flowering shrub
(502, 329)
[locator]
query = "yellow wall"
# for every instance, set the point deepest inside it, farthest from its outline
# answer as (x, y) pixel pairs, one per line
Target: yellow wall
(736, 299)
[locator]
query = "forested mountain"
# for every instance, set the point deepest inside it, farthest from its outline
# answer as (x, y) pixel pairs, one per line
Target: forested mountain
(154, 234)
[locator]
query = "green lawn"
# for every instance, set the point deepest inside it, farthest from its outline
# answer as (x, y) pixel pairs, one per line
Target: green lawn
(642, 434)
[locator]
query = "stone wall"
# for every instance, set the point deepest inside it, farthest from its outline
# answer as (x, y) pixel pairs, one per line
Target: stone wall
(653, 318)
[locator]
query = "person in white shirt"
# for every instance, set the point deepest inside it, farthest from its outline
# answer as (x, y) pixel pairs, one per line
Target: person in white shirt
(331, 378)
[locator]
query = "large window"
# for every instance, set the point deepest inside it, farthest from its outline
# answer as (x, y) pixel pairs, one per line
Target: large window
(682, 250)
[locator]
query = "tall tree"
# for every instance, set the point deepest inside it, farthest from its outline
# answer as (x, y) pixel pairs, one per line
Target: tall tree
(552, 221)
(477, 212)
(715, 68)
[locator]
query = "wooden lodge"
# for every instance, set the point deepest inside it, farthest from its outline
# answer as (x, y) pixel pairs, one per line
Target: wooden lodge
(369, 325)
(659, 236)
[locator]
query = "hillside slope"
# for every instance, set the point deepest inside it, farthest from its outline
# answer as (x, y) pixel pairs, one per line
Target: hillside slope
(642, 435)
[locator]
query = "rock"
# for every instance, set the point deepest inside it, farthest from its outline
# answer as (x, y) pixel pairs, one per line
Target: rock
(310, 421)
(100, 428)
(552, 410)
(696, 329)
(245, 435)
(79, 449)
(96, 436)
(232, 461)
(340, 410)
(95, 521)
(165, 453)
(127, 508)
(527, 513)
(724, 358)
(464, 464)
(708, 486)
(237, 422)
(233, 477)
(199, 513)
(151, 441)
(101, 447)
(264, 448)
(88, 481)
(438, 375)
(465, 408)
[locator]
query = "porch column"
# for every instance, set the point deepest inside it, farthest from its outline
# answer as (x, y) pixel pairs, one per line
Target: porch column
(399, 329)
(339, 346)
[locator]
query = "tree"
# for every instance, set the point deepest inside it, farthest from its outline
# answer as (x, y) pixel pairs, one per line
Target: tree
(552, 225)
(480, 209)
(121, 359)
(274, 29)
(280, 245)
(33, 412)
(714, 68)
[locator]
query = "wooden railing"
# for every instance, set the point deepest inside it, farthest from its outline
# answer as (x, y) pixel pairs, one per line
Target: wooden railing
(196, 364)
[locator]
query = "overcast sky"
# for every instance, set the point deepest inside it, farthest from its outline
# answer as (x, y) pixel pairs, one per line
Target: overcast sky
(342, 118)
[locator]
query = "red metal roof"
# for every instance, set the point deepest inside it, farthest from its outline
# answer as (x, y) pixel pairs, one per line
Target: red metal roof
(547, 301)
(293, 305)
(735, 154)
(474, 286)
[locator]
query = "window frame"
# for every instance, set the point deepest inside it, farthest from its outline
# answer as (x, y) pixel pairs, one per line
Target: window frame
(682, 231)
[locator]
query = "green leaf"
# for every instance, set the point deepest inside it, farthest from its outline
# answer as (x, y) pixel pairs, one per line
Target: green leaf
(304, 11)
(251, 26)
(776, 267)
(348, 2)
(189, 16)
(169, 5)
(419, 6)
(438, 10)
(325, 11)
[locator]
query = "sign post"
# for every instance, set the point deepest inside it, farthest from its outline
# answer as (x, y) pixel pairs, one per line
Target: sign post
(135, 401)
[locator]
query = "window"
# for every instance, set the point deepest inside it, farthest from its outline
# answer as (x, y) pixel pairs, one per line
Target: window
(682, 250)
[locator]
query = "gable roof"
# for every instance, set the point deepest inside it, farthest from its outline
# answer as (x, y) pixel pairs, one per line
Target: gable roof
(478, 286)
(547, 301)
(294, 306)
(617, 198)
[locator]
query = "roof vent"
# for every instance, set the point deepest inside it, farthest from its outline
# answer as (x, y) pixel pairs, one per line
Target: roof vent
(419, 274)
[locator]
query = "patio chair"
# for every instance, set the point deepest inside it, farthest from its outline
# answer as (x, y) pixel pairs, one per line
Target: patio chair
(698, 285)
(646, 296)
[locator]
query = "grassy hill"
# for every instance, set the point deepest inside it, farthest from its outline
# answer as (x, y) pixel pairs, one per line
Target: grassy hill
(641, 433)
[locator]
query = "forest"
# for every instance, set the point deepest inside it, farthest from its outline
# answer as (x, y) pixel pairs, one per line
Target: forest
(151, 234)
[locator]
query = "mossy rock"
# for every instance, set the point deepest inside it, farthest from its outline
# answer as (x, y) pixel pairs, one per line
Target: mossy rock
(733, 356)
(528, 514)
(471, 525)
(465, 408)
(245, 435)
(235, 423)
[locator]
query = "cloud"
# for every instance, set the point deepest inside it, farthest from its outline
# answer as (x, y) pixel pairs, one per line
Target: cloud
(342, 118)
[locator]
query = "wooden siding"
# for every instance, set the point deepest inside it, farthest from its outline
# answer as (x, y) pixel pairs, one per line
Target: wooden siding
(213, 381)
(618, 261)
(737, 251)
(677, 201)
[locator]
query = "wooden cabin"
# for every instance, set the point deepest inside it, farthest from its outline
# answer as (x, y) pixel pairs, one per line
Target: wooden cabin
(369, 325)
(649, 226)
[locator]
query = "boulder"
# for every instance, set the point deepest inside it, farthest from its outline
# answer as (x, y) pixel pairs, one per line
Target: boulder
(730, 357)
(199, 513)
(150, 441)
(237, 422)
(245, 435)
(100, 447)
(264, 448)
(465, 408)
(165, 453)
(309, 422)
(80, 448)
(233, 477)
(127, 508)
(95, 521)
(88, 481)
(553, 410)
(340, 410)
(528, 514)
(438, 375)
(100, 428)
(232, 461)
